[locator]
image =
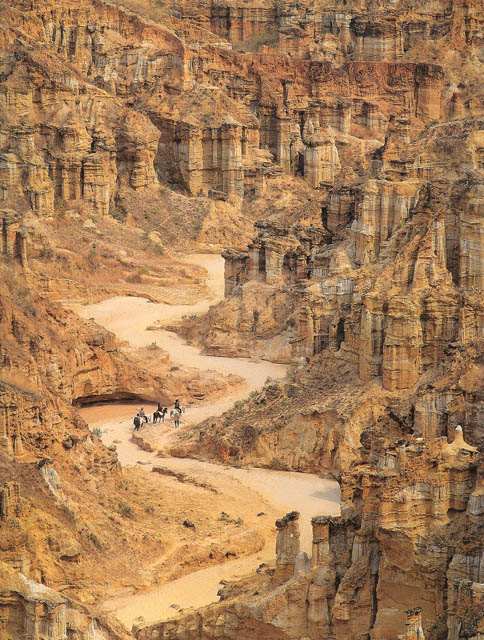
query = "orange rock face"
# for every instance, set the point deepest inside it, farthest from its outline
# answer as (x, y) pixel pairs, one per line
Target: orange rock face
(351, 133)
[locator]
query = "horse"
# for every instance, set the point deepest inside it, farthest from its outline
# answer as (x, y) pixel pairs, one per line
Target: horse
(159, 415)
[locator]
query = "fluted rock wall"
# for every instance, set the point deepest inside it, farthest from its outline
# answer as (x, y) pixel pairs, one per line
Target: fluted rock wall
(221, 122)
(392, 274)
(33, 609)
(404, 543)
(364, 30)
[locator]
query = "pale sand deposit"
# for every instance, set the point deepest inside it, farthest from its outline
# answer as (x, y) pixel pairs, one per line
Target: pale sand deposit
(311, 495)
(271, 490)
(128, 318)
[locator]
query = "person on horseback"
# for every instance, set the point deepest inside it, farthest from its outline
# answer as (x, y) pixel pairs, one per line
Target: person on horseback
(177, 406)
(142, 415)
(160, 413)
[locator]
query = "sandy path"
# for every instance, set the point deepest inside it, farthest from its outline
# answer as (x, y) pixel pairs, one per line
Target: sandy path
(307, 493)
(310, 494)
(284, 491)
(128, 318)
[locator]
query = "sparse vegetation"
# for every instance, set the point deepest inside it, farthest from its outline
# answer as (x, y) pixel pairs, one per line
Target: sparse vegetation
(268, 38)
(92, 537)
(147, 8)
(92, 257)
(46, 252)
(125, 510)
(137, 277)
(225, 517)
(97, 433)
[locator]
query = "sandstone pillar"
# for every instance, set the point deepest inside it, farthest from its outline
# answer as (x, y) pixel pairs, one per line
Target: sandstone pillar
(371, 339)
(283, 132)
(9, 500)
(231, 169)
(429, 80)
(3, 238)
(273, 266)
(4, 431)
(414, 625)
(18, 447)
(234, 269)
(320, 552)
(21, 248)
(189, 156)
(402, 357)
(287, 546)
(301, 268)
(303, 345)
(8, 238)
(253, 262)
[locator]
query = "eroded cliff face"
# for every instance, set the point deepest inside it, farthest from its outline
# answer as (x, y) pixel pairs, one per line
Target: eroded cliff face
(405, 553)
(352, 134)
(100, 102)
(59, 355)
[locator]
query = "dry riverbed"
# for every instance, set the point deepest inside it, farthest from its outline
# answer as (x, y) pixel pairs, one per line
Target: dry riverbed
(249, 492)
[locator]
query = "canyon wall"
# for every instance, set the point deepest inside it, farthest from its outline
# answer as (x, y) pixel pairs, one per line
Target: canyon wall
(404, 554)
(351, 133)
(209, 120)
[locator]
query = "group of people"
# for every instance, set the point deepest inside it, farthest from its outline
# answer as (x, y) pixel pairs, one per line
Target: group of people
(158, 415)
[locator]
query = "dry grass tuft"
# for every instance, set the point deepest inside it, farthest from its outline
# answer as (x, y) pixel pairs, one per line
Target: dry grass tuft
(156, 11)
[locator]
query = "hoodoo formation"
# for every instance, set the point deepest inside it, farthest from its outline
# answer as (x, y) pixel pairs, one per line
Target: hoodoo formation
(273, 212)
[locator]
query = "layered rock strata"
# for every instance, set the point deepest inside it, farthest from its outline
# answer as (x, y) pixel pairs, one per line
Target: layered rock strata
(376, 280)
(387, 288)
(191, 125)
(401, 556)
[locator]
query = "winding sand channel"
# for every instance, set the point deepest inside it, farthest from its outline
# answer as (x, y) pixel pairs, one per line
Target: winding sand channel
(274, 490)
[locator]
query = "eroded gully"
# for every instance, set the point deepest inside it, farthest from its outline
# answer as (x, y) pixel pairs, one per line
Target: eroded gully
(128, 318)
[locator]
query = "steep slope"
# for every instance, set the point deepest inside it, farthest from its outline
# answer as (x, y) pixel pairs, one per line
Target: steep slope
(351, 134)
